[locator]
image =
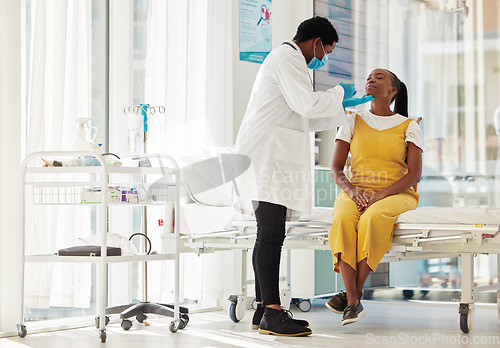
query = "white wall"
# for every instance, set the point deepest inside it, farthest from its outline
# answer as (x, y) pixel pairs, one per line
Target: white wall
(286, 17)
(10, 149)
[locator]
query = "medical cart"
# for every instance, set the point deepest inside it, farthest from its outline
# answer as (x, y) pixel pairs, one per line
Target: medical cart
(89, 181)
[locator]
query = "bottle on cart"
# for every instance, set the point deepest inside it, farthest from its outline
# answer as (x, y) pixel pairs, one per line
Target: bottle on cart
(96, 144)
(81, 143)
(135, 132)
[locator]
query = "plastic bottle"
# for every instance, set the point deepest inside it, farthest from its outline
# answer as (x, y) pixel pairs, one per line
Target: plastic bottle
(81, 143)
(96, 145)
(135, 133)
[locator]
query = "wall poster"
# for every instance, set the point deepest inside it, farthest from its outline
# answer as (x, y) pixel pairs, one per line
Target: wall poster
(255, 30)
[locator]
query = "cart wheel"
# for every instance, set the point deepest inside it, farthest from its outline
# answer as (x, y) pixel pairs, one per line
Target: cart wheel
(103, 336)
(106, 322)
(408, 294)
(254, 304)
(232, 312)
(21, 330)
(141, 317)
(304, 305)
(126, 324)
(182, 324)
(174, 326)
(185, 317)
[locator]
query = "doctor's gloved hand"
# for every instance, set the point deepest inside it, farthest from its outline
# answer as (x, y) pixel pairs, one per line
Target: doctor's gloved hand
(356, 101)
(349, 90)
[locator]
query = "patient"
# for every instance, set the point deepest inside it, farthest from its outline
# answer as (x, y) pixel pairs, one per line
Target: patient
(386, 149)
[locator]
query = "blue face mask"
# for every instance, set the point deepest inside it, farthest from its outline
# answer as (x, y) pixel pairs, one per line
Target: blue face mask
(315, 63)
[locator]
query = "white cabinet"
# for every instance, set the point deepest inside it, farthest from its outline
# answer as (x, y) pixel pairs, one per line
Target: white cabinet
(155, 181)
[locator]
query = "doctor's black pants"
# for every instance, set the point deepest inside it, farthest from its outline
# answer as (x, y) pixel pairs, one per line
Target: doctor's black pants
(266, 254)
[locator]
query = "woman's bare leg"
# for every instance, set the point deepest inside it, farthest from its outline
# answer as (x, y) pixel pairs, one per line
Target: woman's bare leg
(349, 278)
(363, 272)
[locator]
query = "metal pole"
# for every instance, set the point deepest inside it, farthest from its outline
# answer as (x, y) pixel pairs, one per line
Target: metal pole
(145, 231)
(176, 241)
(467, 277)
(102, 223)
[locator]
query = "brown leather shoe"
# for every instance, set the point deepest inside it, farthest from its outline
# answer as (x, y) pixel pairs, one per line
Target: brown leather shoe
(338, 303)
(353, 313)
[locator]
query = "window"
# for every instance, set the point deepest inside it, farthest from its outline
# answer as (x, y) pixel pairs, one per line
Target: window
(90, 58)
(66, 57)
(447, 53)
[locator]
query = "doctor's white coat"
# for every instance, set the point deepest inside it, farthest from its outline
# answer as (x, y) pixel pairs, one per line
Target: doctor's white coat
(282, 110)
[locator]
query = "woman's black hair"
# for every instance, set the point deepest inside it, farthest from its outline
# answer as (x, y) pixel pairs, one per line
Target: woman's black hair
(401, 96)
(317, 27)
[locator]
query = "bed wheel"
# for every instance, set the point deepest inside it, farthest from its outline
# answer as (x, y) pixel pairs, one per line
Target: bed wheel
(237, 307)
(304, 305)
(465, 317)
(232, 312)
(368, 294)
(408, 294)
(21, 330)
(464, 323)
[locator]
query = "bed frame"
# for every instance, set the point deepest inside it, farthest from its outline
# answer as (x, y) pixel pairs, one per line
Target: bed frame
(410, 242)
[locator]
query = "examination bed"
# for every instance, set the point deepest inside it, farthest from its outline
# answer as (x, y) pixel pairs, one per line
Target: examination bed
(424, 233)
(211, 224)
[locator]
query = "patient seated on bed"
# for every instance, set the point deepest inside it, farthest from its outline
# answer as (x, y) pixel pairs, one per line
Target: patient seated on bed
(386, 151)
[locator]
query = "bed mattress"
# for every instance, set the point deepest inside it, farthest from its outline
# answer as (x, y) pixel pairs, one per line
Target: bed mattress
(428, 215)
(197, 219)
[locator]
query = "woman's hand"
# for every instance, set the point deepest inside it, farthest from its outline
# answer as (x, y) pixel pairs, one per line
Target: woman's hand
(374, 197)
(358, 197)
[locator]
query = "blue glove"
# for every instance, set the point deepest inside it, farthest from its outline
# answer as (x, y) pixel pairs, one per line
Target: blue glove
(356, 101)
(349, 90)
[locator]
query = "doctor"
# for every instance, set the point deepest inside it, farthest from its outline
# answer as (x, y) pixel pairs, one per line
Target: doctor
(282, 110)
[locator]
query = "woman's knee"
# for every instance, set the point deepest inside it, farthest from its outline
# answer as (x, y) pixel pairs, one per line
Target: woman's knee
(346, 221)
(371, 215)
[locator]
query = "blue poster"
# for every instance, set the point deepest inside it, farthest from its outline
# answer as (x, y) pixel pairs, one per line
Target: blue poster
(255, 30)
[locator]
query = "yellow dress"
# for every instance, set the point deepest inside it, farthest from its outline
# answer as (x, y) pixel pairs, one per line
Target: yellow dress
(378, 160)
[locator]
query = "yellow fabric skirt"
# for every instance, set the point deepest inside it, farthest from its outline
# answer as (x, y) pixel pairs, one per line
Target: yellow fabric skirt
(355, 236)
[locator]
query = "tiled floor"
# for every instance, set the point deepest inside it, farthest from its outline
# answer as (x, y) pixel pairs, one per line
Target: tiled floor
(403, 324)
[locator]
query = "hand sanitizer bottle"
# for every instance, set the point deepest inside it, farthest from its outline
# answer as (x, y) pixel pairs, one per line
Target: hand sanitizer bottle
(81, 143)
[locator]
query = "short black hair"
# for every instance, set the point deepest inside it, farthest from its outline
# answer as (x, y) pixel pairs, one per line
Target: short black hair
(317, 27)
